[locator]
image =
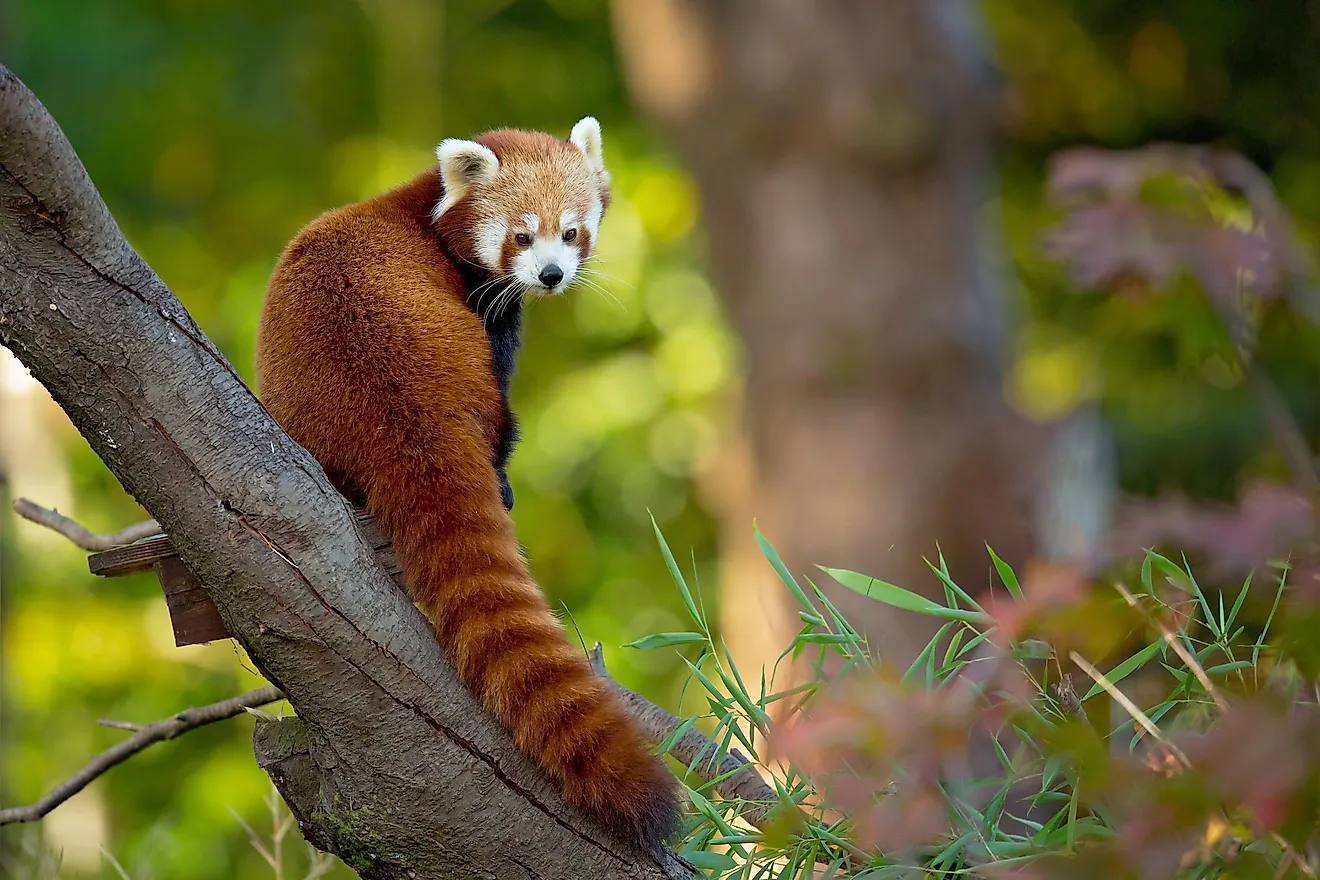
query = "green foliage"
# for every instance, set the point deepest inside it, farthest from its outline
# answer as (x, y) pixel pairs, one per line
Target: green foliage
(872, 769)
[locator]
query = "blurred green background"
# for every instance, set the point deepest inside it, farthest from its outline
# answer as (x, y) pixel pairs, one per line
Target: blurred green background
(215, 130)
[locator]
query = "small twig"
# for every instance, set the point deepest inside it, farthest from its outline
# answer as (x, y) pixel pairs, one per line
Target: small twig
(119, 725)
(1177, 646)
(1141, 718)
(740, 782)
(114, 863)
(255, 840)
(1293, 855)
(149, 734)
(79, 534)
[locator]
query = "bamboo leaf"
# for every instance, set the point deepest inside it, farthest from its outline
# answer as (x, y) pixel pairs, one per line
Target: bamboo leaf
(1006, 574)
(901, 598)
(666, 640)
(678, 576)
(1126, 668)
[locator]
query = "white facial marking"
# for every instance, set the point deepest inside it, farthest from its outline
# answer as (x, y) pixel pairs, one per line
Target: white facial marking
(525, 269)
(546, 250)
(532, 222)
(490, 241)
(568, 262)
(593, 218)
(568, 220)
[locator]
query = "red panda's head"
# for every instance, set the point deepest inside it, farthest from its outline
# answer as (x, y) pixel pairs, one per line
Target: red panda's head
(524, 206)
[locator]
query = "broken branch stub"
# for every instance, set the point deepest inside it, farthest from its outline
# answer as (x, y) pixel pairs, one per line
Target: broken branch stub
(192, 613)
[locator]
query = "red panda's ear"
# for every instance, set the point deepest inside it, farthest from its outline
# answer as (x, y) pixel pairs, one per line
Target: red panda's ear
(463, 164)
(586, 137)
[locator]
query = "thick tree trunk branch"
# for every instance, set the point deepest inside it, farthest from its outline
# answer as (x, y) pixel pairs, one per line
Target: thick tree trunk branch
(402, 774)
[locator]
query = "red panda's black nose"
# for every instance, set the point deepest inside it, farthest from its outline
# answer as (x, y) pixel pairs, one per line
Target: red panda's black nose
(551, 275)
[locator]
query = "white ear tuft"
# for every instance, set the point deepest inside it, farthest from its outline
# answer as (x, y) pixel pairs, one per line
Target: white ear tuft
(586, 136)
(463, 164)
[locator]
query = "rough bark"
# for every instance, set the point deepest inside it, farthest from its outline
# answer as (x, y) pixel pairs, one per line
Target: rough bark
(843, 154)
(391, 764)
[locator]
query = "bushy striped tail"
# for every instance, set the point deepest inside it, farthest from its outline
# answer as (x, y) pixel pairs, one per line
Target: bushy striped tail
(457, 549)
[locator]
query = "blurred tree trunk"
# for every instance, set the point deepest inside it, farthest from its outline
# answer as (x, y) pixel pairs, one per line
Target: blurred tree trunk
(843, 151)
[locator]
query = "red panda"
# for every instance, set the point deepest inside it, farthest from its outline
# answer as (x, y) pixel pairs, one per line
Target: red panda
(385, 347)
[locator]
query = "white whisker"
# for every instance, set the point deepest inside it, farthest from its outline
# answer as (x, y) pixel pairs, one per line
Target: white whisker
(488, 312)
(607, 276)
(596, 287)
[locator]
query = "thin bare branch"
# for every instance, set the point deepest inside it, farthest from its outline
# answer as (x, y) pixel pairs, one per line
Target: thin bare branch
(168, 728)
(80, 534)
(738, 779)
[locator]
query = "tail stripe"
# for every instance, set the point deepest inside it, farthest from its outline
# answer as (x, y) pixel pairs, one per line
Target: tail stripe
(461, 559)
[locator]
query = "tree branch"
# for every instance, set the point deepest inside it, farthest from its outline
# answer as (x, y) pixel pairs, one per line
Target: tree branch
(738, 779)
(396, 748)
(78, 533)
(147, 735)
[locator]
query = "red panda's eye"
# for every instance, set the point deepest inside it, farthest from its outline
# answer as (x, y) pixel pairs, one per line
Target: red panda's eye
(570, 234)
(523, 239)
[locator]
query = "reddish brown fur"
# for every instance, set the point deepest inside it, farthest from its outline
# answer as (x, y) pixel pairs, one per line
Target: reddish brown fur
(368, 356)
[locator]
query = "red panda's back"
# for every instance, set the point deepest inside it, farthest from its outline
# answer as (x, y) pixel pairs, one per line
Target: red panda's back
(364, 330)
(370, 358)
